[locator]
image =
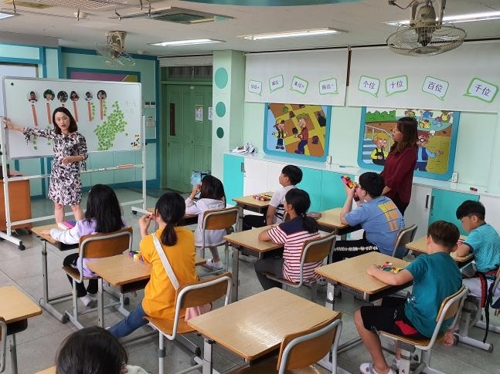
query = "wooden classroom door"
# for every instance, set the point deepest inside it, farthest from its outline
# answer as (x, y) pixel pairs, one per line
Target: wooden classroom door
(188, 135)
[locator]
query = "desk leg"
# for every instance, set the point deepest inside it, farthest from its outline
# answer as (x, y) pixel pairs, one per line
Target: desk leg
(100, 304)
(207, 356)
(45, 302)
(236, 272)
(13, 353)
(239, 226)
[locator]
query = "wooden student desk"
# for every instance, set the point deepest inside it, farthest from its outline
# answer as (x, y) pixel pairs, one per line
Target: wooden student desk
(350, 276)
(330, 221)
(419, 246)
(46, 302)
(15, 309)
(124, 273)
(51, 370)
(256, 325)
(252, 204)
(249, 240)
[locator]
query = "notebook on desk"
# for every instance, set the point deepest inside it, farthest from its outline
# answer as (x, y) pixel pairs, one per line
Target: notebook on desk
(66, 225)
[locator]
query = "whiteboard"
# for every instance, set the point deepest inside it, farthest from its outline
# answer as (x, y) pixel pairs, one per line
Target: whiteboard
(299, 77)
(464, 79)
(108, 114)
(17, 71)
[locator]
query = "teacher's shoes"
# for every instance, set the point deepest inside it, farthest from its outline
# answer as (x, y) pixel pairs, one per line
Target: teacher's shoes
(88, 301)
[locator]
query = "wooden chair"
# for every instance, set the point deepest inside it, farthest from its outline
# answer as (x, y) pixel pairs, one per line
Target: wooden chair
(96, 246)
(301, 350)
(314, 250)
(3, 343)
(219, 219)
(467, 320)
(450, 308)
(189, 295)
(404, 237)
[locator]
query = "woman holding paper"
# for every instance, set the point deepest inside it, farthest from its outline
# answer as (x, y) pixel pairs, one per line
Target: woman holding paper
(70, 153)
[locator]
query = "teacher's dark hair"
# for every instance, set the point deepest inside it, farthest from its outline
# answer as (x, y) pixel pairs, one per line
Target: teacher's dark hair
(171, 208)
(72, 123)
(91, 350)
(103, 206)
(408, 127)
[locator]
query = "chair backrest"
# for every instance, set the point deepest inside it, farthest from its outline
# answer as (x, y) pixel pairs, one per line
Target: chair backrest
(201, 293)
(404, 237)
(106, 245)
(220, 219)
(316, 250)
(3, 343)
(449, 309)
(306, 347)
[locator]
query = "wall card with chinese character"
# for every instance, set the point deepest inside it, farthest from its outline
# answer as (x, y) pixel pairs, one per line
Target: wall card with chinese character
(297, 130)
(437, 139)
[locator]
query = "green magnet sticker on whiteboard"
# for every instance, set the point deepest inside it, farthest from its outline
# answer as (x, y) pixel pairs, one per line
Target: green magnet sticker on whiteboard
(221, 78)
(220, 109)
(220, 132)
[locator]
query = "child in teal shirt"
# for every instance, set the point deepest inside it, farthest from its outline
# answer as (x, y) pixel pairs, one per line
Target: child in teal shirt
(435, 276)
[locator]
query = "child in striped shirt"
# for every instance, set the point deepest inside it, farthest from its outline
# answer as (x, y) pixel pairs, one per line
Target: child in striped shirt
(292, 234)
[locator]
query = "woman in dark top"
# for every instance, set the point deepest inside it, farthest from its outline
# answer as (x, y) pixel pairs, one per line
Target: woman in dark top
(400, 163)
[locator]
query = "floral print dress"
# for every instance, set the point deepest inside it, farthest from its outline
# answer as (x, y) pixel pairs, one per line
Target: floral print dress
(65, 185)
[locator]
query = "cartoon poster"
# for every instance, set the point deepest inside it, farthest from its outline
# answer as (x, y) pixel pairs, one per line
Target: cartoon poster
(437, 137)
(297, 130)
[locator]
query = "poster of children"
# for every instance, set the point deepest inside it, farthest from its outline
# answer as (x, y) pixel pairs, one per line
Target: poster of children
(297, 130)
(437, 137)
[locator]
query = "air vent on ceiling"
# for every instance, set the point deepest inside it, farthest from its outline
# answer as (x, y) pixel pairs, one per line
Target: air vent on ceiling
(77, 4)
(179, 15)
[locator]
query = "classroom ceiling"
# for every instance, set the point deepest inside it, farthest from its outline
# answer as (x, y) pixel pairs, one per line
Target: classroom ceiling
(51, 22)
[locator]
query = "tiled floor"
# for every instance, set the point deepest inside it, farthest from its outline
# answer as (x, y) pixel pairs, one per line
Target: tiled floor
(37, 346)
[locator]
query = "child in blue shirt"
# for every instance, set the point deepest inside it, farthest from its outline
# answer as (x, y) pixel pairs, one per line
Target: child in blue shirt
(483, 241)
(435, 276)
(377, 215)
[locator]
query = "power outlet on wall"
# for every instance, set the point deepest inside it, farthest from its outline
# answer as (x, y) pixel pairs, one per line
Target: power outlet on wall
(454, 177)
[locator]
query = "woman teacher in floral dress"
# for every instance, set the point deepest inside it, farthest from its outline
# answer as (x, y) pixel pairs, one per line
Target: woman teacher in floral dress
(70, 152)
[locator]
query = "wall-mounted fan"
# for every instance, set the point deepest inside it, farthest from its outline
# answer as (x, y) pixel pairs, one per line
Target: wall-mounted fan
(113, 53)
(425, 35)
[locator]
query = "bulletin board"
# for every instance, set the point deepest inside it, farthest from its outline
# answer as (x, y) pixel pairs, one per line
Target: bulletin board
(437, 139)
(297, 130)
(108, 114)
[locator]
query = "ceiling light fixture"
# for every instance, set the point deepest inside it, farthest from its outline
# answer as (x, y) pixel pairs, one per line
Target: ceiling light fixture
(459, 18)
(187, 42)
(292, 34)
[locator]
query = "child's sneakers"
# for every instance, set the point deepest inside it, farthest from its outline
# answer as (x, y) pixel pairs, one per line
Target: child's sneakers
(88, 301)
(215, 265)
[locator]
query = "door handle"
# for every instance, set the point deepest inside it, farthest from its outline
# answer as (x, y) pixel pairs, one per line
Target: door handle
(432, 202)
(426, 201)
(242, 167)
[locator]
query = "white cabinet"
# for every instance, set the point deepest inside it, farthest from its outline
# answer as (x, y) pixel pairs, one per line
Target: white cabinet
(419, 209)
(492, 206)
(255, 177)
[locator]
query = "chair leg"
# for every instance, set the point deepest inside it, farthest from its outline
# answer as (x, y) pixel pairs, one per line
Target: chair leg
(226, 257)
(161, 354)
(404, 367)
(314, 291)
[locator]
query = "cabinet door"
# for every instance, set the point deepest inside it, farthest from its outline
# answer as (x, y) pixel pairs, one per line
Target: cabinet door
(255, 180)
(311, 183)
(492, 206)
(418, 211)
(332, 190)
(233, 177)
(444, 206)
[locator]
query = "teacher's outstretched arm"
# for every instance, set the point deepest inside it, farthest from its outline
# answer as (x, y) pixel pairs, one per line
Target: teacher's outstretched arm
(9, 125)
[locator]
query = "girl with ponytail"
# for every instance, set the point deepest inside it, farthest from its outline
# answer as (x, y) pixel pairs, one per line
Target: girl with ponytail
(178, 245)
(292, 234)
